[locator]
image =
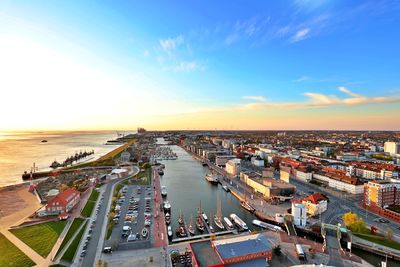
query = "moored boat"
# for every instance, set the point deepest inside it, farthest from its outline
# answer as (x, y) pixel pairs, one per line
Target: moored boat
(226, 188)
(267, 225)
(218, 216)
(205, 218)
(163, 191)
(228, 224)
(167, 218)
(211, 178)
(181, 232)
(167, 206)
(247, 206)
(190, 227)
(239, 222)
(169, 232)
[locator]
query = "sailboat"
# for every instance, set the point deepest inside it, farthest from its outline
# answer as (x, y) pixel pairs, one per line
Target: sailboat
(199, 220)
(190, 226)
(218, 216)
(180, 220)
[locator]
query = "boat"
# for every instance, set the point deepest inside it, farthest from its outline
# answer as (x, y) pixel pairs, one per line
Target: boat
(247, 206)
(167, 206)
(218, 216)
(145, 232)
(267, 225)
(44, 141)
(213, 179)
(115, 142)
(181, 232)
(169, 232)
(205, 218)
(190, 227)
(228, 224)
(211, 229)
(163, 191)
(226, 188)
(239, 222)
(181, 221)
(160, 172)
(167, 218)
(55, 164)
(199, 221)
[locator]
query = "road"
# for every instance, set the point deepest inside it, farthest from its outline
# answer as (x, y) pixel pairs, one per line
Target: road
(93, 246)
(341, 202)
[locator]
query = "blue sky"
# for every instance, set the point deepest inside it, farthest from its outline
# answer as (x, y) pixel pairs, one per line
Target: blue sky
(176, 62)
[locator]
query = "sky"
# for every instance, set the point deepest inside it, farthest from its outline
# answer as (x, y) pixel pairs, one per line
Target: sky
(262, 65)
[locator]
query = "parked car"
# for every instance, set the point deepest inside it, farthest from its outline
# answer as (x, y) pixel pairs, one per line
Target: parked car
(107, 250)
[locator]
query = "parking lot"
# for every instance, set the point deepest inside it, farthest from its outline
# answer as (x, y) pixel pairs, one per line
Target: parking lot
(134, 217)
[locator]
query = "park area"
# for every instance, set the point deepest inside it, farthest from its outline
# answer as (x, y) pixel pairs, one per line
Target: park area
(71, 250)
(11, 256)
(87, 210)
(71, 231)
(40, 237)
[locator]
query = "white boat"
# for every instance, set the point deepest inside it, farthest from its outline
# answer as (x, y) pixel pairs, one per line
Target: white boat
(239, 222)
(218, 216)
(226, 188)
(205, 217)
(163, 191)
(213, 179)
(228, 224)
(267, 225)
(169, 232)
(167, 206)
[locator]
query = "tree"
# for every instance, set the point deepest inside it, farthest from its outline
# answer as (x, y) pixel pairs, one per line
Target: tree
(354, 223)
(389, 233)
(349, 218)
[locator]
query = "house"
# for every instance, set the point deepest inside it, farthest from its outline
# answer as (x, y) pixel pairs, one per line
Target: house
(63, 202)
(315, 204)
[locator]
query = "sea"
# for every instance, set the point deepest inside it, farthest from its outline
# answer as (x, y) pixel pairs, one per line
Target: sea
(20, 150)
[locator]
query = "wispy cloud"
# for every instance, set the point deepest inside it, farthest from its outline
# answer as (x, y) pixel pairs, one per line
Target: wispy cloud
(317, 100)
(146, 53)
(186, 66)
(300, 35)
(255, 98)
(302, 79)
(170, 44)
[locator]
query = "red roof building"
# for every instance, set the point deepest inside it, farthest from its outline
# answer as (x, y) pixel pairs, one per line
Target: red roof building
(63, 202)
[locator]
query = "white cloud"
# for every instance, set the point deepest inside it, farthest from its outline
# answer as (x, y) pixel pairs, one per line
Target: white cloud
(300, 35)
(170, 44)
(146, 53)
(186, 66)
(255, 98)
(302, 79)
(317, 100)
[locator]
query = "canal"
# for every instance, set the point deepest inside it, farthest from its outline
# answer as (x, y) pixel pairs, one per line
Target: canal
(187, 189)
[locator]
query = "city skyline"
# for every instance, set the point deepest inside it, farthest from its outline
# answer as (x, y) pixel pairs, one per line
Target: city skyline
(292, 65)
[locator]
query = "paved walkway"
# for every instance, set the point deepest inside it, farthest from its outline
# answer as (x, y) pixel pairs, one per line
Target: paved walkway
(159, 227)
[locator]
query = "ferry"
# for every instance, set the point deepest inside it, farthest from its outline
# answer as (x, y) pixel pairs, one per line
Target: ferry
(213, 179)
(247, 206)
(239, 222)
(167, 206)
(226, 188)
(163, 191)
(267, 226)
(228, 224)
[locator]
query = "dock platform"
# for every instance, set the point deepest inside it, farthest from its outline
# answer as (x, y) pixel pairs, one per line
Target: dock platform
(203, 236)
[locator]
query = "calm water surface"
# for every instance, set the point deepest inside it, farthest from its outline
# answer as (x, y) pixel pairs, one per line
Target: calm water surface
(18, 151)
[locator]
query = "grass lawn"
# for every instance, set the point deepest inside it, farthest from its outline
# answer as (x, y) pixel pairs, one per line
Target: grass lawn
(40, 237)
(87, 210)
(11, 256)
(380, 240)
(71, 250)
(74, 227)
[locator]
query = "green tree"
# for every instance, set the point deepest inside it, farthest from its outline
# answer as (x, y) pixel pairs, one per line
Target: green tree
(389, 233)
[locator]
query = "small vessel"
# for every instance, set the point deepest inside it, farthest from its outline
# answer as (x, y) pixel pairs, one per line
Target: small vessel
(190, 227)
(199, 223)
(205, 218)
(211, 229)
(247, 206)
(55, 164)
(218, 216)
(169, 232)
(181, 221)
(167, 206)
(145, 232)
(204, 163)
(44, 141)
(239, 222)
(213, 179)
(267, 225)
(228, 224)
(160, 172)
(167, 218)
(226, 188)
(163, 191)
(181, 232)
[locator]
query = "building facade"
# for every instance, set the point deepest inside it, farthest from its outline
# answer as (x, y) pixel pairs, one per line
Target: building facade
(63, 202)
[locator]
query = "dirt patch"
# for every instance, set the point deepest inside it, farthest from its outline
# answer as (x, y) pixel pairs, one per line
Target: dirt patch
(11, 201)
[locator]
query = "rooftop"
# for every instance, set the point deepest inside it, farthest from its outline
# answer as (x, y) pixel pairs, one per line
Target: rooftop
(205, 253)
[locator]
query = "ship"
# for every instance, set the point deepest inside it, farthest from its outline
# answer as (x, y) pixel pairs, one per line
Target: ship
(226, 188)
(44, 141)
(218, 216)
(167, 218)
(228, 224)
(213, 179)
(55, 164)
(247, 206)
(163, 191)
(167, 206)
(169, 232)
(190, 227)
(267, 225)
(239, 222)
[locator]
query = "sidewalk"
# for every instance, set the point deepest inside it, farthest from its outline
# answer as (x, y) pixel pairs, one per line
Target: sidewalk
(159, 227)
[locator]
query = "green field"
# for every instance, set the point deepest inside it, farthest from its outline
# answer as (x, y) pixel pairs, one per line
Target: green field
(380, 240)
(40, 237)
(71, 250)
(87, 210)
(71, 231)
(11, 256)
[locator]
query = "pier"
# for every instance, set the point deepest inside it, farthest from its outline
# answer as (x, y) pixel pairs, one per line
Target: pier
(203, 236)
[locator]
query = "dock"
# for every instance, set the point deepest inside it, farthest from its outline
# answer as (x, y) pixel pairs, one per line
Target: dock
(203, 236)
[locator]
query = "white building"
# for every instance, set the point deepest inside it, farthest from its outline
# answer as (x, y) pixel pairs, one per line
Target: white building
(303, 176)
(315, 204)
(257, 162)
(299, 213)
(392, 148)
(233, 167)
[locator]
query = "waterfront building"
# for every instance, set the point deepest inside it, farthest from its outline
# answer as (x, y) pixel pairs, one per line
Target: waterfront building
(299, 213)
(233, 167)
(315, 204)
(392, 148)
(63, 202)
(222, 160)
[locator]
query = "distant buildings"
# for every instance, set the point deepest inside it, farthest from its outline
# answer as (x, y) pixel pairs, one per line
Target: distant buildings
(315, 204)
(232, 167)
(392, 148)
(63, 202)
